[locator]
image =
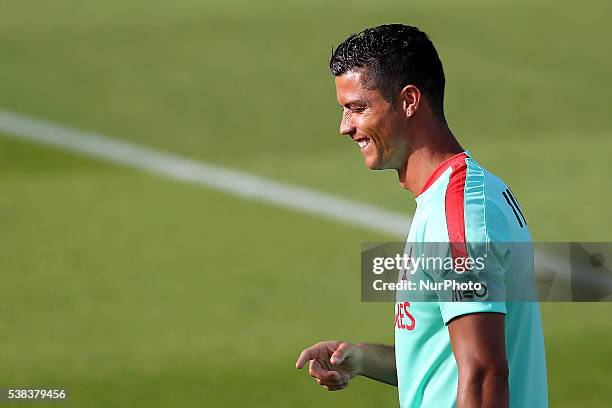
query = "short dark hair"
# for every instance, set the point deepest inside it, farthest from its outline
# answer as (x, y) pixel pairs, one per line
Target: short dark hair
(393, 56)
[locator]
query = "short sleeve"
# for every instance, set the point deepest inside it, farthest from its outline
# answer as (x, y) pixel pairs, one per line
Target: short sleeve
(450, 310)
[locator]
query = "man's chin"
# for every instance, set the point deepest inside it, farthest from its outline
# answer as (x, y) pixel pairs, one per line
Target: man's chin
(374, 165)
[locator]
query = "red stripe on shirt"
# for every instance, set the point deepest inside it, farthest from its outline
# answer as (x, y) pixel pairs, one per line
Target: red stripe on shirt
(455, 207)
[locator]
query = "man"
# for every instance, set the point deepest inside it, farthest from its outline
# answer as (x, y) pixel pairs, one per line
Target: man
(390, 84)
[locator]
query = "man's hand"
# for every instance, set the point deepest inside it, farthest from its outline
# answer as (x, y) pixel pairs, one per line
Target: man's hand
(332, 363)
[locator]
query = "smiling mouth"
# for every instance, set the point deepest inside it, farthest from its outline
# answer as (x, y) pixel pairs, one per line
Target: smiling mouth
(363, 143)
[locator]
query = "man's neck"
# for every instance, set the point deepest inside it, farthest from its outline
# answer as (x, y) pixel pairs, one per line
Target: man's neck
(424, 159)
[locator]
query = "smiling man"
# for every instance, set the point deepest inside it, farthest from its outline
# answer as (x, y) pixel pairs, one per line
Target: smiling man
(390, 84)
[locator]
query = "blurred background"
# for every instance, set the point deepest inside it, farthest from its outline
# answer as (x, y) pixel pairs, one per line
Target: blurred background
(132, 289)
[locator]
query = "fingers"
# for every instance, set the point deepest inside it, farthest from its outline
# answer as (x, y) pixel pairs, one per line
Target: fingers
(305, 356)
(335, 387)
(321, 358)
(334, 378)
(340, 354)
(324, 376)
(319, 350)
(316, 370)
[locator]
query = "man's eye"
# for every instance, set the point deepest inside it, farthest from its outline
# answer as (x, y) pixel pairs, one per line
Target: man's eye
(358, 109)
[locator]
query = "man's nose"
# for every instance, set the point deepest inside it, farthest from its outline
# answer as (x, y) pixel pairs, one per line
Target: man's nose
(346, 124)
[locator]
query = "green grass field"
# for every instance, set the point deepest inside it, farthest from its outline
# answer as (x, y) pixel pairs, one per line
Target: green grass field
(130, 289)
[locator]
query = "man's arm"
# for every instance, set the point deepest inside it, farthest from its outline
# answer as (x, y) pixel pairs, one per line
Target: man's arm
(478, 343)
(333, 363)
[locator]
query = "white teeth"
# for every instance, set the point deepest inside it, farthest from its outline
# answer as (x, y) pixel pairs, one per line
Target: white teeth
(363, 143)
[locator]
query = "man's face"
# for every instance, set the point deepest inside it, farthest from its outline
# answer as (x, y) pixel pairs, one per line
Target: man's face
(371, 122)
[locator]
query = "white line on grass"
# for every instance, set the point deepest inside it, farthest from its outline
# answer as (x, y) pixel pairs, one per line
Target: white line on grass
(227, 180)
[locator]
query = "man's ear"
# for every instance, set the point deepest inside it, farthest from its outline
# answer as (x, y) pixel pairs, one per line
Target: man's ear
(411, 98)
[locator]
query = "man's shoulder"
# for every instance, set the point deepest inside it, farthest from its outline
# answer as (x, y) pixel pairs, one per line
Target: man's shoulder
(484, 189)
(492, 210)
